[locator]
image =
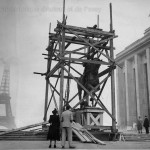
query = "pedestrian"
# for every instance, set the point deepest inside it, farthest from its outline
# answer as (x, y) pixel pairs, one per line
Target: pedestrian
(139, 125)
(146, 125)
(54, 128)
(66, 119)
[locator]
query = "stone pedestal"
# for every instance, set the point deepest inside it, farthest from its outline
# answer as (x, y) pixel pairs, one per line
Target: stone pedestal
(90, 116)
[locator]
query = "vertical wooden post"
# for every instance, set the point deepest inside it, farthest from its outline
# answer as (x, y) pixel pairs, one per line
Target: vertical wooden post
(61, 49)
(97, 21)
(68, 81)
(112, 75)
(46, 91)
(46, 101)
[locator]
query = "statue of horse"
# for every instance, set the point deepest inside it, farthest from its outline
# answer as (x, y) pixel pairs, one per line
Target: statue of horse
(88, 78)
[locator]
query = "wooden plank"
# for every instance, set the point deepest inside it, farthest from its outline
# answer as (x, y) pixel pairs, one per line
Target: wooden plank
(55, 68)
(85, 30)
(65, 77)
(67, 62)
(89, 137)
(54, 99)
(52, 94)
(81, 33)
(50, 54)
(67, 52)
(78, 135)
(92, 137)
(55, 90)
(73, 97)
(62, 49)
(93, 109)
(113, 105)
(75, 127)
(85, 60)
(108, 70)
(83, 43)
(95, 139)
(79, 41)
(98, 127)
(24, 128)
(103, 106)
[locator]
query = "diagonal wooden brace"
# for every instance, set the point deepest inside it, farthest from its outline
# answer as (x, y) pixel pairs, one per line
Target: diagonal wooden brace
(56, 67)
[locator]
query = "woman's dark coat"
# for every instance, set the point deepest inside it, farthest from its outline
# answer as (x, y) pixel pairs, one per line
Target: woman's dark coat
(54, 129)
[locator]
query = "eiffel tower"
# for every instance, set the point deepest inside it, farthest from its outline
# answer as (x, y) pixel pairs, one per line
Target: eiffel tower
(6, 117)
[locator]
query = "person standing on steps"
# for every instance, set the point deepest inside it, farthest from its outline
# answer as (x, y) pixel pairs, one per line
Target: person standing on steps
(66, 120)
(146, 125)
(54, 129)
(139, 125)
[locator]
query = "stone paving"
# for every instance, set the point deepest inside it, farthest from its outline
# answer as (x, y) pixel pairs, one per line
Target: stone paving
(43, 145)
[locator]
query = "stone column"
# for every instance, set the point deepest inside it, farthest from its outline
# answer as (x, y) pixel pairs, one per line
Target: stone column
(127, 91)
(148, 74)
(139, 93)
(130, 93)
(121, 101)
(136, 57)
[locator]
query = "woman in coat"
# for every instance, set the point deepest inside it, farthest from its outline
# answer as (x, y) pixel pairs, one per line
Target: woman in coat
(139, 125)
(54, 129)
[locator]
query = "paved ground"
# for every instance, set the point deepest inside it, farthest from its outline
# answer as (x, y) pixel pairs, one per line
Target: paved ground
(43, 145)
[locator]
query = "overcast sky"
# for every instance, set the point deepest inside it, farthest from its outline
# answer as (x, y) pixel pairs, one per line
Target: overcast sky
(24, 27)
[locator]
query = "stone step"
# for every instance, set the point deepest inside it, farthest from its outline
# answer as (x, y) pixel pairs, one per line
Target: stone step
(136, 137)
(23, 135)
(23, 139)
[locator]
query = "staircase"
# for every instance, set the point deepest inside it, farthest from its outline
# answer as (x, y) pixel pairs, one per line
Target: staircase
(136, 137)
(25, 136)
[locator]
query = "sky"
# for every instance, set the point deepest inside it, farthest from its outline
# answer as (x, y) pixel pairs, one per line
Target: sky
(24, 29)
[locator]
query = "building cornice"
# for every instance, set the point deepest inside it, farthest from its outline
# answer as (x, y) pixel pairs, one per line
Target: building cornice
(133, 48)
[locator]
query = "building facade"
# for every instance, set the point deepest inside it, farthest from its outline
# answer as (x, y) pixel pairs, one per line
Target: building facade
(133, 82)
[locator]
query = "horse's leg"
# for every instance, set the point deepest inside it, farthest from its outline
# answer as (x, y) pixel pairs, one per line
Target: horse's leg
(86, 97)
(92, 100)
(79, 92)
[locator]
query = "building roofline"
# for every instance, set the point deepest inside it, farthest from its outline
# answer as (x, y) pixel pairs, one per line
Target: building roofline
(135, 45)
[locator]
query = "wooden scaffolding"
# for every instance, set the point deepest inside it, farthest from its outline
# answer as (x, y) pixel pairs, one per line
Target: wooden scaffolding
(65, 63)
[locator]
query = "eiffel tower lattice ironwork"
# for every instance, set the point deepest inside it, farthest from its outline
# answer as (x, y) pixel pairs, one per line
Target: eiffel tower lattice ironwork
(6, 116)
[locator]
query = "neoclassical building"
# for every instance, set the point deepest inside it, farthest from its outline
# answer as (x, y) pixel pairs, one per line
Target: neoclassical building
(133, 82)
